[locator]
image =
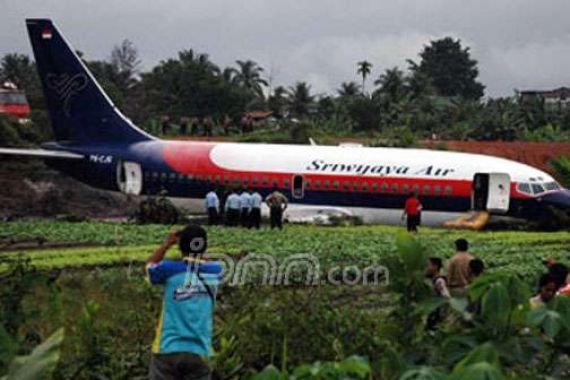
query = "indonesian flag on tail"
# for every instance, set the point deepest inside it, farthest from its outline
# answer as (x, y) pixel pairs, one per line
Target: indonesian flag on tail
(46, 33)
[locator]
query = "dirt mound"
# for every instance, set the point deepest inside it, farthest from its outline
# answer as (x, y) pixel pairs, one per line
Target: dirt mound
(30, 188)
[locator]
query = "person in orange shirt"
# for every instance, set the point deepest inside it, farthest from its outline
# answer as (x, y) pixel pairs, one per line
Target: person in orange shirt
(412, 212)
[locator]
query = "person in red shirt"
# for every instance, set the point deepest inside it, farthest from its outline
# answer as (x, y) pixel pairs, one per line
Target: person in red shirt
(412, 212)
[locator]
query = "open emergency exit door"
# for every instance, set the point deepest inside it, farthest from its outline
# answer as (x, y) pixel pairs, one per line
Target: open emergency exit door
(491, 192)
(129, 177)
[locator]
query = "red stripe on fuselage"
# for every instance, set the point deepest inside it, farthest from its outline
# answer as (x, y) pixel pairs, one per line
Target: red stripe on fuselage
(193, 158)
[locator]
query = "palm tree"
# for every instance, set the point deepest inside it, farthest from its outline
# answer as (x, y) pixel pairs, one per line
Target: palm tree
(348, 89)
(300, 99)
(190, 57)
(229, 75)
(277, 101)
(248, 75)
(364, 68)
(392, 84)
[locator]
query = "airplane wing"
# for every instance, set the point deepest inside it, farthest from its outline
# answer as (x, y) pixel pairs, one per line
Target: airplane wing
(41, 153)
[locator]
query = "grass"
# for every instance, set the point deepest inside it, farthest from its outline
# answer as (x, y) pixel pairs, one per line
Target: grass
(520, 252)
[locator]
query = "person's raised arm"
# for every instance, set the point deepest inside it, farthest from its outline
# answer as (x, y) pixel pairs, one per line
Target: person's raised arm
(159, 253)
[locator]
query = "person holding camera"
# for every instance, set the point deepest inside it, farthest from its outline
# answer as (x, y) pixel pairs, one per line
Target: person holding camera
(183, 340)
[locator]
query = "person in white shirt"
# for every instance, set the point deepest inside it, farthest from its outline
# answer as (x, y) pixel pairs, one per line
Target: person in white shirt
(245, 199)
(233, 208)
(212, 204)
(255, 211)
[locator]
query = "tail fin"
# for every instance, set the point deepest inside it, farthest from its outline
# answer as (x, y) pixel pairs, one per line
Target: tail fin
(80, 110)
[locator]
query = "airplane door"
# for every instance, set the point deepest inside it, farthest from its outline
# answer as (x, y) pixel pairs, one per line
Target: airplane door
(491, 192)
(129, 177)
(480, 193)
(298, 190)
(499, 192)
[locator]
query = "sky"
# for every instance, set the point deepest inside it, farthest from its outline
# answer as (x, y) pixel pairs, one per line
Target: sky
(519, 44)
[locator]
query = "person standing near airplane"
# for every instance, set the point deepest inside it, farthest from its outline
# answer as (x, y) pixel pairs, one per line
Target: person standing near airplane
(212, 203)
(245, 200)
(233, 208)
(412, 212)
(255, 211)
(184, 334)
(277, 203)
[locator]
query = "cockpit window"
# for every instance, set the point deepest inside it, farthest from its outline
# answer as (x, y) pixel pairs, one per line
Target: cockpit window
(524, 188)
(551, 186)
(537, 188)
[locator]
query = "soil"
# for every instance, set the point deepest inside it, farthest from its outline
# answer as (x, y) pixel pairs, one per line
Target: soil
(28, 188)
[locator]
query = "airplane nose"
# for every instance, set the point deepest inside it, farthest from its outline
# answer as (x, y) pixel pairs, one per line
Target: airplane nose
(559, 199)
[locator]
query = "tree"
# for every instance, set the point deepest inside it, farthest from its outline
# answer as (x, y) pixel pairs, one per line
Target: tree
(125, 61)
(192, 85)
(348, 89)
(450, 69)
(277, 101)
(21, 70)
(300, 99)
(364, 68)
(249, 77)
(391, 84)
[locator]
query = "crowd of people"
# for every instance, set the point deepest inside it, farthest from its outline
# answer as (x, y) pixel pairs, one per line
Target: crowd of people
(463, 269)
(204, 126)
(243, 208)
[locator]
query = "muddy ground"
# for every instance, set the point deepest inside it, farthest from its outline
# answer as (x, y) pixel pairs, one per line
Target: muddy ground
(28, 188)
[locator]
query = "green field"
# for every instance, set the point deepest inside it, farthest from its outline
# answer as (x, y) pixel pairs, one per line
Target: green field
(96, 290)
(520, 252)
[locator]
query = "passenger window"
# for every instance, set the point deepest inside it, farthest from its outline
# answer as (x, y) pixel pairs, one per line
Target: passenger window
(346, 185)
(326, 184)
(374, 186)
(217, 179)
(335, 184)
(254, 182)
(395, 188)
(227, 179)
(448, 190)
(275, 183)
(384, 187)
(427, 189)
(265, 181)
(286, 183)
(236, 181)
(317, 184)
(355, 186)
(406, 188)
(307, 184)
(437, 190)
(365, 186)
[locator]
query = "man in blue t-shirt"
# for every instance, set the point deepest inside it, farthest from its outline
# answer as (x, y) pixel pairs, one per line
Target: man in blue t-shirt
(183, 339)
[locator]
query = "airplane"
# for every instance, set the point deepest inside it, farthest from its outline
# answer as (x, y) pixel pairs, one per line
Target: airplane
(96, 144)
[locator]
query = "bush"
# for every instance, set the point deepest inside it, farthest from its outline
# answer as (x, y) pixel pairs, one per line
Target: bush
(157, 210)
(561, 166)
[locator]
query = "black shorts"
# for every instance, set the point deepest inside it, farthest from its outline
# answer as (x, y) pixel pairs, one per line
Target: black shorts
(413, 222)
(179, 365)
